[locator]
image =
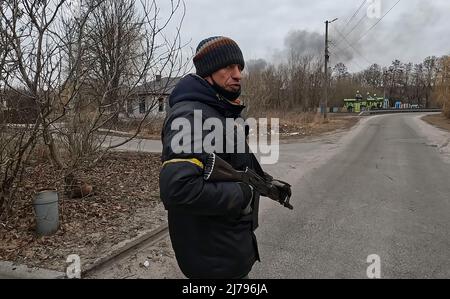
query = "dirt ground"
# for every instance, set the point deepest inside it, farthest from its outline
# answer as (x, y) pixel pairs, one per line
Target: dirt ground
(292, 125)
(292, 128)
(438, 120)
(126, 201)
(152, 262)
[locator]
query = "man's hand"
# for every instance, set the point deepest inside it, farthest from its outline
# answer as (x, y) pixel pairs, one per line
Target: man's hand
(281, 192)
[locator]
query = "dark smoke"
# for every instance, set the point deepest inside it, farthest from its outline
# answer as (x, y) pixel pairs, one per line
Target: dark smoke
(256, 65)
(306, 43)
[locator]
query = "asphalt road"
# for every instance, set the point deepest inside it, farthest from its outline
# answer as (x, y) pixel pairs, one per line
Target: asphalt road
(384, 190)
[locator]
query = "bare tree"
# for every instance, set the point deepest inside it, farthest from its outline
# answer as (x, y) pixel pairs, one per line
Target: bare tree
(296, 83)
(78, 66)
(430, 70)
(257, 90)
(30, 69)
(373, 76)
(118, 47)
(342, 85)
(442, 92)
(417, 82)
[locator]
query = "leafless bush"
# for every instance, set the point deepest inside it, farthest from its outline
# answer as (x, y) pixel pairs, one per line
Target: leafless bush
(77, 66)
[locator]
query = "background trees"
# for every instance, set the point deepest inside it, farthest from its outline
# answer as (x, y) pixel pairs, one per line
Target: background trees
(297, 83)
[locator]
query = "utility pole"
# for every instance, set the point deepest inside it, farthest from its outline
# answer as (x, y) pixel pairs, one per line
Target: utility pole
(384, 83)
(327, 58)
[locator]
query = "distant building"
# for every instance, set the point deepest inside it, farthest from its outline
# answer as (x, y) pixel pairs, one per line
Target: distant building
(358, 104)
(151, 98)
(17, 108)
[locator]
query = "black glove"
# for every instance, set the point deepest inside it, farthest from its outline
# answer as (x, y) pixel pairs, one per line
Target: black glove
(248, 199)
(281, 192)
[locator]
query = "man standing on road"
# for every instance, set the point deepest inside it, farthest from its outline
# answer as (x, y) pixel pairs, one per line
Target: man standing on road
(211, 224)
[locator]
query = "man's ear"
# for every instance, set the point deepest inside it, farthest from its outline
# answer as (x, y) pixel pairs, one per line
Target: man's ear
(210, 80)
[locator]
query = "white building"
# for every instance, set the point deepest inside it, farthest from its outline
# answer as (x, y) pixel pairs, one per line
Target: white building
(151, 98)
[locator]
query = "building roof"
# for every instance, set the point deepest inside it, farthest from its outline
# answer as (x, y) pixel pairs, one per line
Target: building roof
(163, 86)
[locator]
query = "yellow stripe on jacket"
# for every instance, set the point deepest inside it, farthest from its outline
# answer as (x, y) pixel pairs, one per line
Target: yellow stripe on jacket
(192, 161)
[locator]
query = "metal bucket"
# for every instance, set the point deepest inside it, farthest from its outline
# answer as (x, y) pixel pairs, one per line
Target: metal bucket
(45, 205)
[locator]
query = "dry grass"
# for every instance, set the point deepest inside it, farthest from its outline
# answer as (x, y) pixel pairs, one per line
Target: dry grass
(438, 120)
(149, 130)
(299, 124)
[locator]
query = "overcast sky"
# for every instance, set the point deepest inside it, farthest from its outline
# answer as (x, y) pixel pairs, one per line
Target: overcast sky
(413, 30)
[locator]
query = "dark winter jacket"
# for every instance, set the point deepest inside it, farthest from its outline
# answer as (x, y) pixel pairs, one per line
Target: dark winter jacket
(210, 236)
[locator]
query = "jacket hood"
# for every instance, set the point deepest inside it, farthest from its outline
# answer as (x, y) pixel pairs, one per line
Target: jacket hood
(196, 89)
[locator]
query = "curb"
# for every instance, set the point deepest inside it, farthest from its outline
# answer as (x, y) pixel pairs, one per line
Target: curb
(147, 238)
(9, 270)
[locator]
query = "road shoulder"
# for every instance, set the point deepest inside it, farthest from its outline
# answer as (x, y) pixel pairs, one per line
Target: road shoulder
(438, 120)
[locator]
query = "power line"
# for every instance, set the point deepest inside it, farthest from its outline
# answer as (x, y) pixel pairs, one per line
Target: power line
(354, 49)
(353, 29)
(356, 13)
(359, 39)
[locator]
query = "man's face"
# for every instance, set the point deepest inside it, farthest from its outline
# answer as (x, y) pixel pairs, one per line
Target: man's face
(228, 78)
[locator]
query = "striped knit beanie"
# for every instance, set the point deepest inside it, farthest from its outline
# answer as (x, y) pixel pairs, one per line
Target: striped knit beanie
(215, 53)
